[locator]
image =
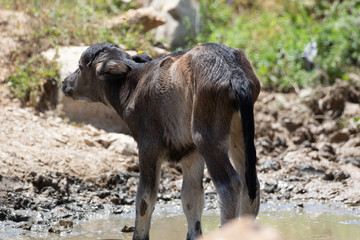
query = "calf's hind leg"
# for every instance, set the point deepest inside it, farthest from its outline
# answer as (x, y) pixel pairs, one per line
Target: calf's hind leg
(192, 193)
(210, 130)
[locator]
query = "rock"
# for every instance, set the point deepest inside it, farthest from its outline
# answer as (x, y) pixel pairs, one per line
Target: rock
(303, 134)
(96, 114)
(328, 176)
(300, 205)
(301, 191)
(331, 100)
(103, 194)
(67, 57)
(181, 17)
(54, 230)
(159, 52)
(4, 213)
(291, 125)
(125, 145)
(19, 217)
(306, 168)
(280, 142)
(147, 17)
(244, 228)
(65, 224)
(133, 167)
(118, 210)
(354, 161)
(269, 164)
(326, 152)
(89, 142)
(22, 203)
(329, 127)
(340, 175)
(127, 229)
(107, 139)
(337, 175)
(270, 187)
(328, 149)
(338, 137)
(61, 226)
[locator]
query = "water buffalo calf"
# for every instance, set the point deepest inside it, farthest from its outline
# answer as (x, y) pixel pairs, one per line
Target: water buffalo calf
(193, 107)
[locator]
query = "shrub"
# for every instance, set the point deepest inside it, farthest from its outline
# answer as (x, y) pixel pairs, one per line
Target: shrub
(27, 83)
(274, 38)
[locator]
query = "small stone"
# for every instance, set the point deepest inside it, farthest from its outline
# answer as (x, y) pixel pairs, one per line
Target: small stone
(127, 229)
(290, 125)
(269, 164)
(301, 191)
(66, 224)
(133, 168)
(287, 196)
(270, 187)
(89, 142)
(328, 149)
(116, 201)
(328, 176)
(338, 137)
(27, 227)
(54, 230)
(166, 197)
(118, 210)
(306, 168)
(103, 194)
(340, 175)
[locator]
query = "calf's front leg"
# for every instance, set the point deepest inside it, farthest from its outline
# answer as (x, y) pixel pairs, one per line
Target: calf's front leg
(146, 194)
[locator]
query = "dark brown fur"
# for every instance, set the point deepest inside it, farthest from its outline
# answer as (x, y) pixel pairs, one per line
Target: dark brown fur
(192, 107)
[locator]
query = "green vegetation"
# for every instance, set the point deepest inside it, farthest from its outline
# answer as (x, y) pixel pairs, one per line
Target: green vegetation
(272, 33)
(66, 22)
(275, 36)
(27, 81)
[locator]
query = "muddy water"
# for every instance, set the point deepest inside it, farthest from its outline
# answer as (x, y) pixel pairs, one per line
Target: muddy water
(294, 220)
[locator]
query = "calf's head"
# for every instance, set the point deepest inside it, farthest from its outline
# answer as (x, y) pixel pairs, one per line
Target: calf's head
(100, 63)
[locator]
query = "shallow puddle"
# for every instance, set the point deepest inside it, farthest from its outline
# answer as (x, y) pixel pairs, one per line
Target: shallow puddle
(295, 221)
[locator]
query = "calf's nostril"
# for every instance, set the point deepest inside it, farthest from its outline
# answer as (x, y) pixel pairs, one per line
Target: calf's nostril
(65, 88)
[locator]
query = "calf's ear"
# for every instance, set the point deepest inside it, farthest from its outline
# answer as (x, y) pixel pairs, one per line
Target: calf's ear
(141, 58)
(114, 67)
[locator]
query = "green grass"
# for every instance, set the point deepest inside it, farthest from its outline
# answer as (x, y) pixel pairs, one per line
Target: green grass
(275, 38)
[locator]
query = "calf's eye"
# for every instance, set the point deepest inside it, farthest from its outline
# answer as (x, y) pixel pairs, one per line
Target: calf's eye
(80, 67)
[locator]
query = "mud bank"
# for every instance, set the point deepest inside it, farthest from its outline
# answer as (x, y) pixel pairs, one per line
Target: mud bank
(54, 174)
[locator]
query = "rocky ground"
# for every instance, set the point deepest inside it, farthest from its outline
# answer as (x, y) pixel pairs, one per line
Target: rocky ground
(54, 173)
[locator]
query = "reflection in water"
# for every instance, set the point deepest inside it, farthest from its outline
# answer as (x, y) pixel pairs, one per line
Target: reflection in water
(309, 222)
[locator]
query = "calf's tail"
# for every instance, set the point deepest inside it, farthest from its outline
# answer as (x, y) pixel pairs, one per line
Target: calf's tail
(242, 91)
